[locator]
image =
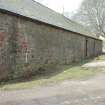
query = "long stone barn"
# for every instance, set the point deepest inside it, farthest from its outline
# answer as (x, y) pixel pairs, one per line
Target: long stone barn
(33, 36)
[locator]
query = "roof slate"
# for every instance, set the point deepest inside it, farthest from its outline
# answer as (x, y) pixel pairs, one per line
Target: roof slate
(35, 10)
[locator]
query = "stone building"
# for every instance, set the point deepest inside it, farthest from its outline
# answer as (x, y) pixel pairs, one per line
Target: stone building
(33, 36)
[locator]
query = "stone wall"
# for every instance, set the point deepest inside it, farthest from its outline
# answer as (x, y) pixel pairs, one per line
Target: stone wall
(26, 46)
(98, 47)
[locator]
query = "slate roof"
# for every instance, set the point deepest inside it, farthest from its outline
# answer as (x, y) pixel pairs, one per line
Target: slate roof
(35, 10)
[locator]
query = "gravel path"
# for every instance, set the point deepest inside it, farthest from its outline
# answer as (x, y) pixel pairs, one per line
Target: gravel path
(81, 92)
(95, 64)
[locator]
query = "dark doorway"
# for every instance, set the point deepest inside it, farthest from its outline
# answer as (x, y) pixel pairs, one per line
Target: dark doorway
(94, 48)
(86, 51)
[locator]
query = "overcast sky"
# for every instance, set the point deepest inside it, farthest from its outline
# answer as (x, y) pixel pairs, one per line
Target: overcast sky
(57, 5)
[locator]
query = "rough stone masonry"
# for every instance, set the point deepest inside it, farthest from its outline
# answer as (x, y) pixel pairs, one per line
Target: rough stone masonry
(27, 45)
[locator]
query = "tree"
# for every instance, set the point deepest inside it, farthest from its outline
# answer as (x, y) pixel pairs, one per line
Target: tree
(92, 14)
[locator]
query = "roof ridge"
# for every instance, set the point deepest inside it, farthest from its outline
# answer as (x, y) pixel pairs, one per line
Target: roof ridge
(42, 13)
(57, 13)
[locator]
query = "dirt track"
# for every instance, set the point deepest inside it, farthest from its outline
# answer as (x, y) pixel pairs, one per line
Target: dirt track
(82, 92)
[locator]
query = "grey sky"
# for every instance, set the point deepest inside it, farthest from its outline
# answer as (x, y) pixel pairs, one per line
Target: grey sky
(57, 5)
